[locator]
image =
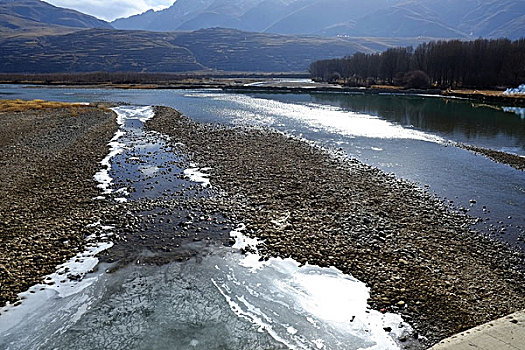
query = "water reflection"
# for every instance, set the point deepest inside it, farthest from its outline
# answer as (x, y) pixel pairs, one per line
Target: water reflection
(459, 120)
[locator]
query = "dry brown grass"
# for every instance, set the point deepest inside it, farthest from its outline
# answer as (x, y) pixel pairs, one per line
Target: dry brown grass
(479, 92)
(23, 105)
(386, 87)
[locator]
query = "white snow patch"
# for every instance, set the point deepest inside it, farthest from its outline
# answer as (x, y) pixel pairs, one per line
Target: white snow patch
(102, 176)
(292, 330)
(198, 175)
(142, 114)
(520, 90)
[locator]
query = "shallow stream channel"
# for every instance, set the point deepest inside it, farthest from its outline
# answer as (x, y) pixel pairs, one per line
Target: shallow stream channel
(183, 286)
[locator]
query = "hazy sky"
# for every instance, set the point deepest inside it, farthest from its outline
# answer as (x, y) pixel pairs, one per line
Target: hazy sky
(111, 9)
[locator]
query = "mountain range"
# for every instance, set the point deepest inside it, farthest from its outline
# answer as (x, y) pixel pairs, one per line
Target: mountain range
(212, 49)
(237, 35)
(372, 18)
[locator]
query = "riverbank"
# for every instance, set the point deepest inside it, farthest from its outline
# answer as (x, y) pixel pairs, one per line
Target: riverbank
(488, 96)
(485, 96)
(50, 152)
(298, 83)
(418, 257)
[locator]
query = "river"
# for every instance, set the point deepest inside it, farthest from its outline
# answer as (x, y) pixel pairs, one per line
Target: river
(408, 136)
(225, 300)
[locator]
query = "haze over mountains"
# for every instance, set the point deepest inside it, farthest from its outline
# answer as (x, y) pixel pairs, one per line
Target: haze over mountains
(372, 18)
(36, 37)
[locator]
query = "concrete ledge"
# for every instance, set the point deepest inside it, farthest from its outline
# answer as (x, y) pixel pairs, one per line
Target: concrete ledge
(506, 333)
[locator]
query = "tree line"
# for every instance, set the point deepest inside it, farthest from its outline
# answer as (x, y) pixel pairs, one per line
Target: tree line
(481, 63)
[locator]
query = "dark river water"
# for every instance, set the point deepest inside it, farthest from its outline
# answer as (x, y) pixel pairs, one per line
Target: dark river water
(227, 301)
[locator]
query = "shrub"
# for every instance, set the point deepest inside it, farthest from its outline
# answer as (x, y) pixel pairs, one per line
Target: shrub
(416, 79)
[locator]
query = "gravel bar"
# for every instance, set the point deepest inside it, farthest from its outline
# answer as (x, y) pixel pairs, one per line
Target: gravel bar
(514, 160)
(48, 159)
(419, 257)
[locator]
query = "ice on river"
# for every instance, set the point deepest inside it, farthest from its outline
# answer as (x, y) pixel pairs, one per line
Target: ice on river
(124, 113)
(305, 307)
(220, 300)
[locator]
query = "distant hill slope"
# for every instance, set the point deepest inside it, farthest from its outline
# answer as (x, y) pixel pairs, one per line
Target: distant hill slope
(377, 18)
(139, 51)
(28, 14)
(95, 50)
(398, 21)
(272, 16)
(233, 50)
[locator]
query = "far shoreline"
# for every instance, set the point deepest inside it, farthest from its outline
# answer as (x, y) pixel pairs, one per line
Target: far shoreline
(284, 84)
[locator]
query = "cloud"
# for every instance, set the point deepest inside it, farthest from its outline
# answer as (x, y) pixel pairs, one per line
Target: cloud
(111, 9)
